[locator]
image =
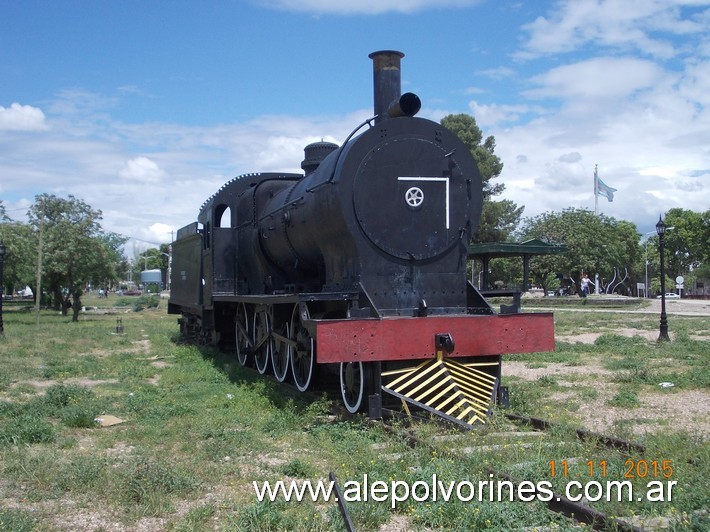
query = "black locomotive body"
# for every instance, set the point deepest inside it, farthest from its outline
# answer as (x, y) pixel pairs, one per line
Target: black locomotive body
(358, 264)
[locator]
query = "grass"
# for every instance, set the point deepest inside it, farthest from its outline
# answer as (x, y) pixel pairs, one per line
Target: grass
(199, 429)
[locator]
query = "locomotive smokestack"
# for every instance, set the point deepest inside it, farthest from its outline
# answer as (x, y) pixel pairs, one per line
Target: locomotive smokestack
(387, 80)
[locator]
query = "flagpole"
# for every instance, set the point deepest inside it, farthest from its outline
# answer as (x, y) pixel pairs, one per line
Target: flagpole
(596, 189)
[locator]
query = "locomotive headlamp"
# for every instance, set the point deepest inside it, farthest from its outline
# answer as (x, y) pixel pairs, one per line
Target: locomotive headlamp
(406, 105)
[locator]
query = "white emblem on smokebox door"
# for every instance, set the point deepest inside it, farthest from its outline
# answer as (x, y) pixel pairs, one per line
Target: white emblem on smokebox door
(414, 197)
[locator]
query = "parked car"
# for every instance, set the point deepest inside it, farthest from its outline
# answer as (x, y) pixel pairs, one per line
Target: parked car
(670, 295)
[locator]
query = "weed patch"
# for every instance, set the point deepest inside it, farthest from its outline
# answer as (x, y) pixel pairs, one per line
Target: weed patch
(16, 520)
(626, 398)
(26, 429)
(200, 428)
(149, 483)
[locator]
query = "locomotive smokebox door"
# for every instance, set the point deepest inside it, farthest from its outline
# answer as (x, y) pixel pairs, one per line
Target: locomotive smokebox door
(410, 198)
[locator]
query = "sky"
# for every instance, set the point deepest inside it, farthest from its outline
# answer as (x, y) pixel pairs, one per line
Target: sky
(143, 109)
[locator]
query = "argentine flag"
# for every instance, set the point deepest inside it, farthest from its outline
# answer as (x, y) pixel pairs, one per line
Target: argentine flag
(604, 190)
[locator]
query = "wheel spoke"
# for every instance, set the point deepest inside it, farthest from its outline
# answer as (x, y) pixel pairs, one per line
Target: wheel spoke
(262, 341)
(280, 355)
(303, 355)
(352, 385)
(243, 335)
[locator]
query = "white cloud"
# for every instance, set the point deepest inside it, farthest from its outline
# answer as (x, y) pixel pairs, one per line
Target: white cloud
(645, 26)
(147, 196)
(159, 231)
(21, 118)
(489, 115)
(501, 72)
(142, 169)
(644, 121)
(601, 77)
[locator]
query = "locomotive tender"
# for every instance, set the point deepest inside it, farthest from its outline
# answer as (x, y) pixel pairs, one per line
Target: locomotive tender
(358, 265)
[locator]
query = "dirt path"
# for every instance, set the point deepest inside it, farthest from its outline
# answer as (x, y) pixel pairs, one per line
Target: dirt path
(662, 408)
(674, 307)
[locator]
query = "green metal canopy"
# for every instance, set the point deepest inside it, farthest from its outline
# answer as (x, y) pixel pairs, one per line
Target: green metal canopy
(495, 250)
(513, 249)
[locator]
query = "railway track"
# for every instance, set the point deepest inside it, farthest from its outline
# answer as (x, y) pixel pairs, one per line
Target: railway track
(522, 450)
(527, 434)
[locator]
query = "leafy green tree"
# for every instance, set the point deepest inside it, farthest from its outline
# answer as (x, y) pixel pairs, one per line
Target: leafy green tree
(499, 218)
(115, 258)
(20, 256)
(76, 252)
(506, 271)
(596, 244)
(687, 244)
(705, 238)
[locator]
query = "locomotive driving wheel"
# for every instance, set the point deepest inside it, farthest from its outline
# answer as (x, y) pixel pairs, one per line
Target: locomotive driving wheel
(280, 353)
(263, 343)
(352, 385)
(302, 353)
(243, 335)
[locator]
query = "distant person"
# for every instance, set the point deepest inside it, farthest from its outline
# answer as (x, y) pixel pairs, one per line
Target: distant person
(584, 284)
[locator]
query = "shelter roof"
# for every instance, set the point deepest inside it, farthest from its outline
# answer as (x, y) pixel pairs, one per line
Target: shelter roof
(531, 247)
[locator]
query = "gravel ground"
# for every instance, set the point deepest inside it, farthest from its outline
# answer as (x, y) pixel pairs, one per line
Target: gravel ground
(661, 409)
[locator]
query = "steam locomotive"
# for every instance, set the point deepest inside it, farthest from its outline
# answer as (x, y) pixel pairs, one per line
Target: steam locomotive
(357, 266)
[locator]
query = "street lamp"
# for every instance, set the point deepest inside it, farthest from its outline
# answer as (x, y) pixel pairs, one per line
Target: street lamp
(646, 235)
(661, 230)
(2, 283)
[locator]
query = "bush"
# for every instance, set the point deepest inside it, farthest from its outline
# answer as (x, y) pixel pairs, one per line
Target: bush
(75, 405)
(62, 395)
(627, 398)
(26, 429)
(145, 477)
(80, 416)
(145, 302)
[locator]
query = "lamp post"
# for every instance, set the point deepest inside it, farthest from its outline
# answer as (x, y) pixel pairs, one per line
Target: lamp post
(661, 230)
(2, 283)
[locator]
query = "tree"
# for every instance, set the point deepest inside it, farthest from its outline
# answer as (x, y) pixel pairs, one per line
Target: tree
(499, 218)
(705, 238)
(76, 252)
(688, 242)
(596, 244)
(20, 255)
(114, 253)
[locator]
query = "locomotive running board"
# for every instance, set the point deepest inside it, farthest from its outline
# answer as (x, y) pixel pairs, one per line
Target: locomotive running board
(459, 393)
